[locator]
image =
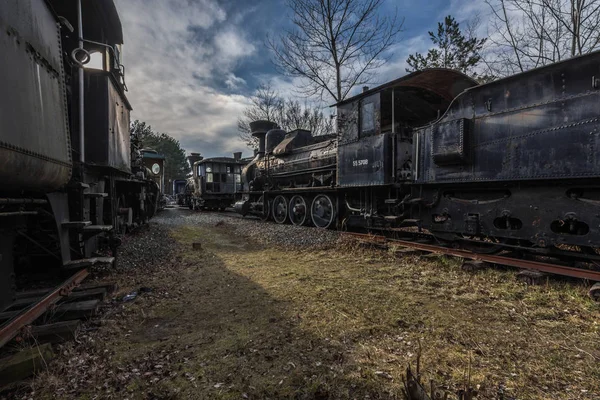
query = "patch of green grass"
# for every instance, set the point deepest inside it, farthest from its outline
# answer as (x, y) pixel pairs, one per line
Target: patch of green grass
(241, 319)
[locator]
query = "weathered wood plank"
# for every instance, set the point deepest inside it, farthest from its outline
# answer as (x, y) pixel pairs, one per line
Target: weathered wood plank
(110, 287)
(33, 293)
(78, 310)
(58, 332)
(25, 363)
(90, 294)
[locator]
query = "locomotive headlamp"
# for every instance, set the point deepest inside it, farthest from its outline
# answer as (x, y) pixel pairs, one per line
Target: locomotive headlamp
(209, 170)
(155, 169)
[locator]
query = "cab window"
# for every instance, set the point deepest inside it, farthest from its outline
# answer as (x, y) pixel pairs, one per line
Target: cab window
(369, 115)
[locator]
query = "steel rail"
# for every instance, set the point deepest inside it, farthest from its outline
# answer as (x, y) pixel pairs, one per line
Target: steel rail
(11, 328)
(502, 260)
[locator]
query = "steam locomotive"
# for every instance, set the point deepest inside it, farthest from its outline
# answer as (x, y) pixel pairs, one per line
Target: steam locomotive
(215, 181)
(511, 164)
(71, 176)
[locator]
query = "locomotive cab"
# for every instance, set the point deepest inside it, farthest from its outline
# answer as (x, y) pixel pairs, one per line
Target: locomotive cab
(216, 181)
(376, 126)
(375, 152)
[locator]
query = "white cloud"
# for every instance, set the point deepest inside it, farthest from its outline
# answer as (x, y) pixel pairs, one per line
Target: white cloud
(175, 51)
(232, 45)
(234, 82)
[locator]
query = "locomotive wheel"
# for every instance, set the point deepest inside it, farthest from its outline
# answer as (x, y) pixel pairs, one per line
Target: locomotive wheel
(322, 211)
(298, 210)
(594, 292)
(280, 209)
(266, 214)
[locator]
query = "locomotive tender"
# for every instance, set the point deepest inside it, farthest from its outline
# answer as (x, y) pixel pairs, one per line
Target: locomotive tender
(508, 164)
(71, 176)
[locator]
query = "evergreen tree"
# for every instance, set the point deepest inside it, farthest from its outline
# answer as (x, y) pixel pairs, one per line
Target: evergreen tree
(452, 50)
(176, 165)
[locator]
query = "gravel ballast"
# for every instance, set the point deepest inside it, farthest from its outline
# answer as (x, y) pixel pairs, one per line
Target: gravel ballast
(264, 232)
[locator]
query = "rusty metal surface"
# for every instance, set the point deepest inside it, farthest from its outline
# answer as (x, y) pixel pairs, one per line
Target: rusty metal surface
(445, 83)
(108, 142)
(35, 150)
(502, 260)
(542, 124)
(100, 19)
(10, 329)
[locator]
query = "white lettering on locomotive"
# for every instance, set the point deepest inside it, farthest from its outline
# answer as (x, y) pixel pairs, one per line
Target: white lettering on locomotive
(360, 163)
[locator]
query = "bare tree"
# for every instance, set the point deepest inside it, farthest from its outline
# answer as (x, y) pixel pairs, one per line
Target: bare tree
(334, 45)
(295, 115)
(267, 104)
(532, 33)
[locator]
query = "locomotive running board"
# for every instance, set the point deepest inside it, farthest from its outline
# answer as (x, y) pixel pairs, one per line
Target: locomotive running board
(494, 259)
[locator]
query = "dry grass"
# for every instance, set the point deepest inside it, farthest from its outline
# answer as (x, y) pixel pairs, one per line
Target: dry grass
(237, 320)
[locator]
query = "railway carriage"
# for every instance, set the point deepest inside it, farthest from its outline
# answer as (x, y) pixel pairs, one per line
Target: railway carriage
(70, 176)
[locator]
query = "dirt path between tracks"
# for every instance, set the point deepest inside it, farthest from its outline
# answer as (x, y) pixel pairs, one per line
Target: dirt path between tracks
(238, 319)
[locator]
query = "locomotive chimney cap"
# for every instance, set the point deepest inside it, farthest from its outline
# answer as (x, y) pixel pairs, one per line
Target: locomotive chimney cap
(261, 127)
(365, 88)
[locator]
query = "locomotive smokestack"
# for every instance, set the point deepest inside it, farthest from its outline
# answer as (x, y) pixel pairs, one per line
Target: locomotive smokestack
(365, 88)
(237, 155)
(259, 130)
(194, 157)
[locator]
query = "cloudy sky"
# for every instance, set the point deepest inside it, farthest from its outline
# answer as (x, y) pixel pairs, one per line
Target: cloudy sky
(192, 64)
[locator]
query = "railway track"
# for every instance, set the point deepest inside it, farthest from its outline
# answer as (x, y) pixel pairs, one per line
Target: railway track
(13, 326)
(529, 265)
(52, 314)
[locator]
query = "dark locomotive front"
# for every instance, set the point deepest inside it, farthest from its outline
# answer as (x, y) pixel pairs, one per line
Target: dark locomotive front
(215, 182)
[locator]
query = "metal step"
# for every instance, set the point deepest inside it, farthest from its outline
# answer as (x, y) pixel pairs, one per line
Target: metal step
(97, 228)
(95, 195)
(410, 222)
(76, 224)
(414, 201)
(88, 262)
(79, 185)
(392, 201)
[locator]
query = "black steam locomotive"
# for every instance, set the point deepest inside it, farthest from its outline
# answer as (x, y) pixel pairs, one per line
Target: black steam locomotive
(512, 164)
(71, 176)
(215, 181)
